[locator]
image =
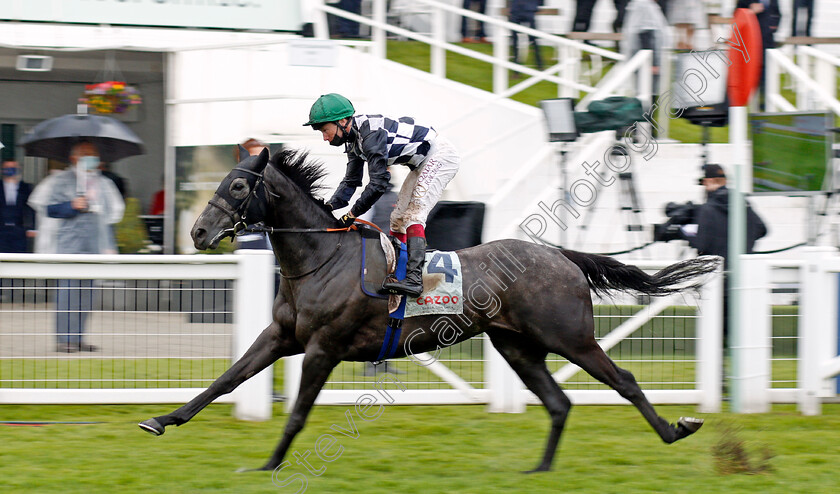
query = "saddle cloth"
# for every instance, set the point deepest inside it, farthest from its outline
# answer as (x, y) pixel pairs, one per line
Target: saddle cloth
(442, 277)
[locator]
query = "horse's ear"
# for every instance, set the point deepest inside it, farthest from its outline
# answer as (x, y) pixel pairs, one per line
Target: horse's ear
(262, 160)
(243, 153)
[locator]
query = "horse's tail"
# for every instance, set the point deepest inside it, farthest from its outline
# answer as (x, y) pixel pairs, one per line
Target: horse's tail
(605, 273)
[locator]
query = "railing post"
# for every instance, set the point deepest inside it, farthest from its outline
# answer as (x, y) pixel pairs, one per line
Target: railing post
(438, 53)
(803, 96)
(568, 70)
(293, 368)
(710, 344)
(771, 79)
(254, 295)
(752, 367)
(377, 34)
(825, 74)
(500, 52)
(817, 320)
(320, 23)
(663, 116)
(506, 389)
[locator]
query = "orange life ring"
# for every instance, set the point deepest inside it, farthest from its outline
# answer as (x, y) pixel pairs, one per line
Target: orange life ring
(746, 54)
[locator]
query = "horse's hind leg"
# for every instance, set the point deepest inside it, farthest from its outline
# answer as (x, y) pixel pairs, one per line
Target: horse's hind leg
(594, 361)
(266, 349)
(528, 361)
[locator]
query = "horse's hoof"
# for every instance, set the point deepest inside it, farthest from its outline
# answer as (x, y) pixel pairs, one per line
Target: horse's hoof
(244, 470)
(152, 426)
(690, 424)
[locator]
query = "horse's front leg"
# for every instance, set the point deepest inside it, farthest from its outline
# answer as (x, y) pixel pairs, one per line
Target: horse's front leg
(269, 346)
(317, 366)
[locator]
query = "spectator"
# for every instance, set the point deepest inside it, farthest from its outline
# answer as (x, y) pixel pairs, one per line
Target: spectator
(481, 35)
(685, 16)
(524, 12)
(345, 28)
(583, 15)
(158, 206)
(18, 219)
(47, 228)
(105, 170)
(803, 12)
(382, 141)
(645, 28)
(87, 204)
(768, 14)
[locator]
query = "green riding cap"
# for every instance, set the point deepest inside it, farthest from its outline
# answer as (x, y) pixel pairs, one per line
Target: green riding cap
(329, 108)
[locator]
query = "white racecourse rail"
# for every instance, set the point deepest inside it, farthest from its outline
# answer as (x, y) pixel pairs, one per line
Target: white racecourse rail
(138, 333)
(23, 325)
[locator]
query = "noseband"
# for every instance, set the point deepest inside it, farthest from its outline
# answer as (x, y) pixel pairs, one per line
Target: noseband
(239, 225)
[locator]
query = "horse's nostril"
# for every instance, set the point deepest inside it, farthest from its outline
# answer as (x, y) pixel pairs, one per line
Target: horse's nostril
(200, 233)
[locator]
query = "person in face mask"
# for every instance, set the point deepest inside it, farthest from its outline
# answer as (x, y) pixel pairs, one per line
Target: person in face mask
(87, 205)
(17, 219)
(382, 142)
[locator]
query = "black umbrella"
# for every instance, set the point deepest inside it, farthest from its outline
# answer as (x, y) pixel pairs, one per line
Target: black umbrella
(53, 138)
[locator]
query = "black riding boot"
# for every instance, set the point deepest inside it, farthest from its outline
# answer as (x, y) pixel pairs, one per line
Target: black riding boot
(412, 285)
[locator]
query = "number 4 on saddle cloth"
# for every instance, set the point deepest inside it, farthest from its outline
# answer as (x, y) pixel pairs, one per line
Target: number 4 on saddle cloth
(442, 284)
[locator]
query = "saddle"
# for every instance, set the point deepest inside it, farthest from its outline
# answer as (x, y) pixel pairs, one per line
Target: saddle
(442, 279)
(379, 259)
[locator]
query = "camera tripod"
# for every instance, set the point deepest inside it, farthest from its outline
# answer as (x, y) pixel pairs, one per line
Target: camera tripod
(628, 200)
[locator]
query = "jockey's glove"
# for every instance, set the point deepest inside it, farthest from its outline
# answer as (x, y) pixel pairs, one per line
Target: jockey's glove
(347, 219)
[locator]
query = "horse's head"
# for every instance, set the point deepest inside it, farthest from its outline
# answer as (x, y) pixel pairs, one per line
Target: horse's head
(239, 200)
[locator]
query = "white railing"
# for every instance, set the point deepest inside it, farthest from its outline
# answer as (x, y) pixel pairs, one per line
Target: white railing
(811, 93)
(149, 333)
(817, 363)
(568, 74)
(819, 66)
(502, 390)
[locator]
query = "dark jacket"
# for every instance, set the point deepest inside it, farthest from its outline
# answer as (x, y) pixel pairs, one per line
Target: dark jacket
(15, 220)
(768, 19)
(712, 226)
(524, 9)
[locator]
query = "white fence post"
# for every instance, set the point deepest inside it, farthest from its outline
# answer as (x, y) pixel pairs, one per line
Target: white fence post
(506, 389)
(377, 34)
(320, 23)
(438, 62)
(254, 295)
(754, 351)
(293, 368)
(500, 52)
(817, 320)
(710, 344)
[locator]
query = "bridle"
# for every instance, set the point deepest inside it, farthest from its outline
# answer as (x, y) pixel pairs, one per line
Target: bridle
(241, 227)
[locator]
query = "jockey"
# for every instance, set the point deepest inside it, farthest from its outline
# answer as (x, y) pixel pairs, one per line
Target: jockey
(383, 141)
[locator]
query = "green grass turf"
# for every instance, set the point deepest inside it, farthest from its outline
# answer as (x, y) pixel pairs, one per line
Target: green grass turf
(416, 449)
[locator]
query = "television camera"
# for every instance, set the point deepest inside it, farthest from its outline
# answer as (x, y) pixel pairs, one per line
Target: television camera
(678, 214)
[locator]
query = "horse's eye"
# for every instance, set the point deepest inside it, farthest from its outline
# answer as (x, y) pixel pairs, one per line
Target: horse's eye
(239, 188)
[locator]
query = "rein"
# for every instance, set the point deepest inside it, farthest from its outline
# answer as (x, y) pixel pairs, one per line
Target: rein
(240, 227)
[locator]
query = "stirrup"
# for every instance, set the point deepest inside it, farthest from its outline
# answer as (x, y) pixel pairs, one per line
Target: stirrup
(398, 291)
(387, 291)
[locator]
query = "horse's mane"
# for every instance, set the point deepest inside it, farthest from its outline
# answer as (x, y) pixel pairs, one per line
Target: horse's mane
(303, 172)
